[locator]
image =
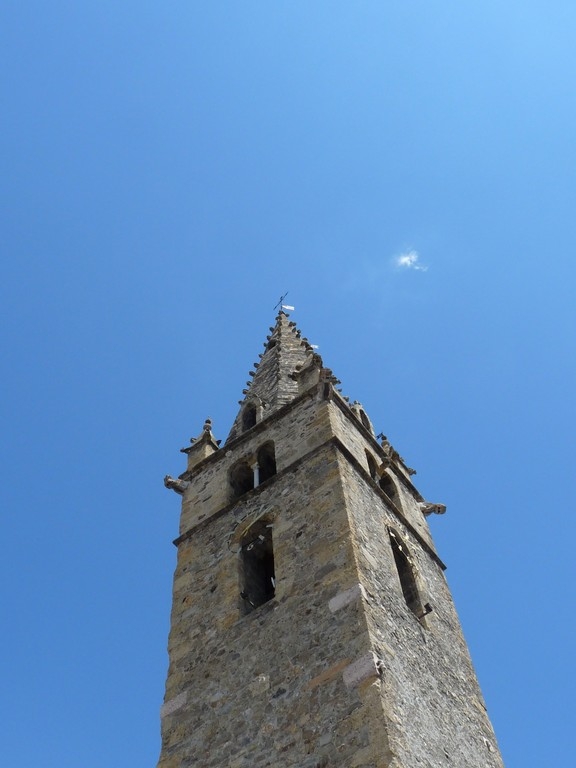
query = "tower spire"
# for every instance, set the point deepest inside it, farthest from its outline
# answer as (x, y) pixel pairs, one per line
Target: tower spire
(273, 381)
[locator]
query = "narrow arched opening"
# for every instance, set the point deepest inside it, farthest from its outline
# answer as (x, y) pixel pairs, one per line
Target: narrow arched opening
(389, 487)
(249, 417)
(266, 458)
(406, 574)
(241, 479)
(258, 581)
(372, 466)
(364, 419)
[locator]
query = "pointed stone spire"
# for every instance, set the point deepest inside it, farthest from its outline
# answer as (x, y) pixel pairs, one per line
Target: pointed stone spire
(274, 380)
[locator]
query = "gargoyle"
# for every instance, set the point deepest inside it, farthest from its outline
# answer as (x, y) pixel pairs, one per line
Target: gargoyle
(175, 484)
(427, 508)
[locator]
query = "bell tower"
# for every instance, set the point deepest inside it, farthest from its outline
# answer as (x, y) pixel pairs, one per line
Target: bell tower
(311, 623)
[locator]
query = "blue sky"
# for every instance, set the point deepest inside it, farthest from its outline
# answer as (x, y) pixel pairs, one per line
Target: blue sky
(168, 171)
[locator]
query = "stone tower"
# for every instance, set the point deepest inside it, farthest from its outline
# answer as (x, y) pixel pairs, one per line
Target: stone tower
(311, 622)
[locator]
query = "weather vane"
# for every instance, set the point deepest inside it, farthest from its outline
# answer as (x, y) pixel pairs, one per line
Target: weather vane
(281, 305)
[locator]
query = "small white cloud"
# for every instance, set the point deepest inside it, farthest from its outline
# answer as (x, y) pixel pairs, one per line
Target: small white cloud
(409, 260)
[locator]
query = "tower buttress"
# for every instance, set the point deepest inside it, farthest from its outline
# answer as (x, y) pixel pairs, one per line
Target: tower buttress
(311, 621)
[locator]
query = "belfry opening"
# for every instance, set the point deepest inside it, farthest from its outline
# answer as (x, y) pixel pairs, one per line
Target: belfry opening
(257, 566)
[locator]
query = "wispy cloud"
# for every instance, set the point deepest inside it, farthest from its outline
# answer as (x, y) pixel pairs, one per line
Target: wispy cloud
(409, 260)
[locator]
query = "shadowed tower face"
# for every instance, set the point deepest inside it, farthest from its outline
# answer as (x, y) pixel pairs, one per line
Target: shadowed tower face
(311, 621)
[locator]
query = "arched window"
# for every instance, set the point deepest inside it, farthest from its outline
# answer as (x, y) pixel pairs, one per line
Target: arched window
(372, 466)
(248, 417)
(406, 575)
(266, 461)
(365, 420)
(241, 479)
(258, 583)
(360, 414)
(389, 487)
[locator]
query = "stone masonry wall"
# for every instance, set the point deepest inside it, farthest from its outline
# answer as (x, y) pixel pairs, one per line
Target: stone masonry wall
(431, 697)
(293, 683)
